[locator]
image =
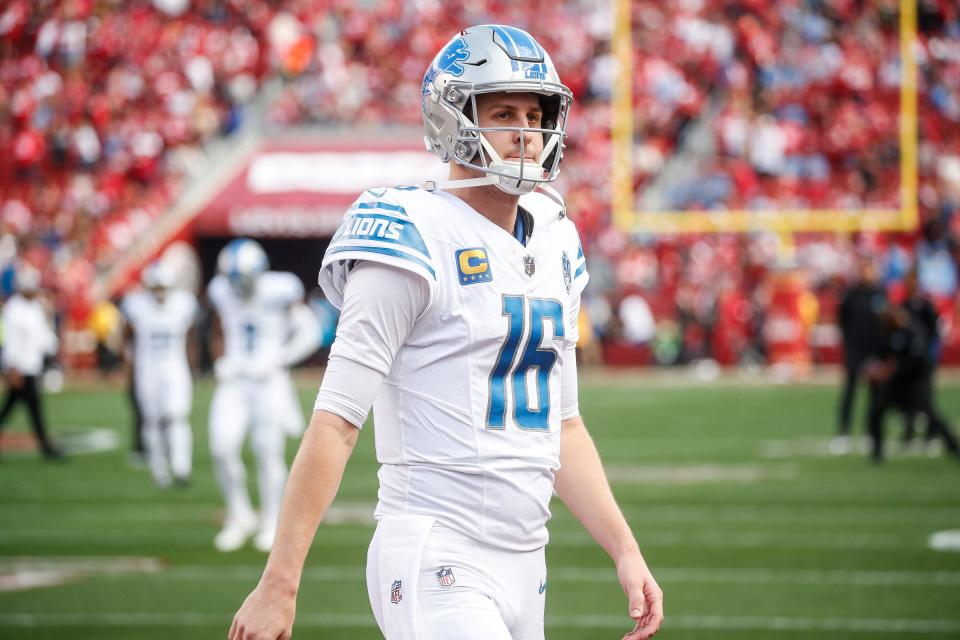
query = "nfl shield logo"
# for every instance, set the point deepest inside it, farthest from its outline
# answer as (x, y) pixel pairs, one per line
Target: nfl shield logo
(529, 266)
(396, 592)
(445, 577)
(567, 279)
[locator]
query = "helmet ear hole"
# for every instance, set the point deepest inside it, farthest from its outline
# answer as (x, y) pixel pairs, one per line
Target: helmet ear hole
(551, 111)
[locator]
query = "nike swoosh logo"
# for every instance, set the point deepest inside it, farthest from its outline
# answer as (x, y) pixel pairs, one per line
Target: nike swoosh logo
(543, 587)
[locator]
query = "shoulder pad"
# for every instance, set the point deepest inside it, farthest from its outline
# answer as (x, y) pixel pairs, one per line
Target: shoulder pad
(281, 286)
(379, 228)
(543, 207)
(218, 289)
(131, 304)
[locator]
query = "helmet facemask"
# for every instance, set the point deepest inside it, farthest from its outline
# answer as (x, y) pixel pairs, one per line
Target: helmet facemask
(474, 151)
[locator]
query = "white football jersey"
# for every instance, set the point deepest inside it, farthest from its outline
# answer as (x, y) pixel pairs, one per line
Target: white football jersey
(160, 329)
(467, 422)
(256, 329)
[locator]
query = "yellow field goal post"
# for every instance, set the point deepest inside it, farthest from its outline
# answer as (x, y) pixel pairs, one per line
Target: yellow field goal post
(784, 221)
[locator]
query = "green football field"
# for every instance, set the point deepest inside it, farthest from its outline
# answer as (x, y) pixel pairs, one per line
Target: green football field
(753, 530)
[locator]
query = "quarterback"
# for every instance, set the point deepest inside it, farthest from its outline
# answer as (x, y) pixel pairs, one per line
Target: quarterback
(459, 305)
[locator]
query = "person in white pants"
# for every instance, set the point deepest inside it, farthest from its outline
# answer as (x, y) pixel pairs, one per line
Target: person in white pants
(459, 328)
(253, 393)
(158, 318)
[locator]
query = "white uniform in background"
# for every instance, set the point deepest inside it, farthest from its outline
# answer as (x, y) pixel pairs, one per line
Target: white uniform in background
(252, 395)
(468, 416)
(164, 388)
(304, 339)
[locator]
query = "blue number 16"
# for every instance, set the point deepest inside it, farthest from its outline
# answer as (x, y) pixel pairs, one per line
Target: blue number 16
(521, 311)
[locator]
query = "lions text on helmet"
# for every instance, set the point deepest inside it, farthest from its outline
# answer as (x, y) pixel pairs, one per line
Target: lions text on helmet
(484, 60)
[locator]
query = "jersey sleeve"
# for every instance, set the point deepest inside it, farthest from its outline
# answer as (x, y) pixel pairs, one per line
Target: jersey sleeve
(283, 288)
(579, 265)
(129, 307)
(376, 228)
(217, 291)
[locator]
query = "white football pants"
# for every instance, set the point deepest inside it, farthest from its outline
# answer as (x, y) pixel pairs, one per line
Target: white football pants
(240, 406)
(165, 396)
(428, 582)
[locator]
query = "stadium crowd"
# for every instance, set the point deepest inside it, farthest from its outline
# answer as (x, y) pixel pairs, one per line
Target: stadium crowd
(105, 107)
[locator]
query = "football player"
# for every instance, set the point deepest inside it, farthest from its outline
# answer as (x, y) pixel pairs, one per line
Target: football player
(158, 318)
(459, 324)
(253, 391)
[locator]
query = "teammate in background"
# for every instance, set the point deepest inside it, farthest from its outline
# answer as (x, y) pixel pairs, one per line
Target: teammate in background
(459, 325)
(858, 325)
(253, 392)
(158, 319)
(27, 340)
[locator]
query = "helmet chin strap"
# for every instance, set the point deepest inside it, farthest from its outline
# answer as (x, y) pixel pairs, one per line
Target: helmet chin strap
(515, 178)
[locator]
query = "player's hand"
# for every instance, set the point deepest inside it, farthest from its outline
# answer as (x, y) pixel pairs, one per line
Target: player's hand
(644, 597)
(263, 368)
(15, 378)
(266, 614)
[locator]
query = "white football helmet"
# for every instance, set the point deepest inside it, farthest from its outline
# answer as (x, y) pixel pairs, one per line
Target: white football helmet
(493, 59)
(158, 276)
(27, 280)
(241, 262)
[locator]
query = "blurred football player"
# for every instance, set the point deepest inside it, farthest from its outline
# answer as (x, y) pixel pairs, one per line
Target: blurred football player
(459, 326)
(159, 317)
(253, 391)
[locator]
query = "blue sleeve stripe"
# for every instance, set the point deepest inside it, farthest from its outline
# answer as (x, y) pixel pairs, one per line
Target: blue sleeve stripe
(386, 252)
(581, 269)
(579, 251)
(377, 204)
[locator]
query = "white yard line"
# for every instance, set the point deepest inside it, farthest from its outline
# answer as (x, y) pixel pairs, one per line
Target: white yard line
(326, 620)
(202, 537)
(123, 566)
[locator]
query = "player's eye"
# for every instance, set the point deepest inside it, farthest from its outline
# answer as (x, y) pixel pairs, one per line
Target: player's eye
(534, 118)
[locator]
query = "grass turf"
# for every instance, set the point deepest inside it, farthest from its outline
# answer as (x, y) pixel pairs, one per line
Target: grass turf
(752, 530)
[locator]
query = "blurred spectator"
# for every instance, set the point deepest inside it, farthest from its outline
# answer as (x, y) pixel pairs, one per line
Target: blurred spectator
(924, 317)
(27, 341)
(861, 341)
(900, 374)
(106, 107)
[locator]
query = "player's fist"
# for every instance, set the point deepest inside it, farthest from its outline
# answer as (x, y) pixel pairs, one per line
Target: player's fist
(645, 599)
(266, 614)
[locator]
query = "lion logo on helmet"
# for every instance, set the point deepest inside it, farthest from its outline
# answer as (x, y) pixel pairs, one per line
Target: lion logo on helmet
(450, 58)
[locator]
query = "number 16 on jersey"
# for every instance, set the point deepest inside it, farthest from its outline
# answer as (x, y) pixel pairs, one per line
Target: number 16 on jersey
(525, 316)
